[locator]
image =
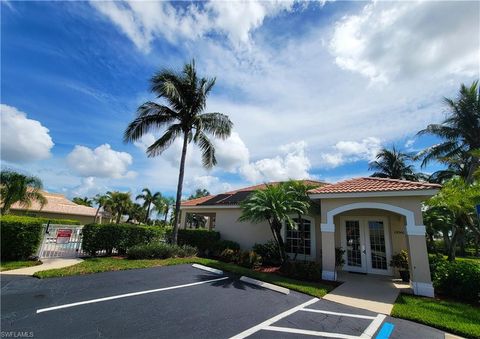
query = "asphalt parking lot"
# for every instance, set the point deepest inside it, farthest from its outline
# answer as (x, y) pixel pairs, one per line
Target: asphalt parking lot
(181, 302)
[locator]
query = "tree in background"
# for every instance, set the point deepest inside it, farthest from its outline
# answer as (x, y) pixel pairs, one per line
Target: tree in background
(460, 133)
(455, 204)
(199, 193)
(101, 201)
(118, 203)
(148, 199)
(393, 164)
(274, 204)
(136, 212)
(17, 187)
(185, 95)
(83, 201)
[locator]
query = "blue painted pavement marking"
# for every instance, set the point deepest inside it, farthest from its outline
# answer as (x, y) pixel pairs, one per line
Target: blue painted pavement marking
(385, 331)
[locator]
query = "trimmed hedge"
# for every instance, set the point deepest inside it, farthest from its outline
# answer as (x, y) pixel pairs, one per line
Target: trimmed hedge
(457, 279)
(160, 251)
(205, 240)
(107, 237)
(26, 218)
(20, 236)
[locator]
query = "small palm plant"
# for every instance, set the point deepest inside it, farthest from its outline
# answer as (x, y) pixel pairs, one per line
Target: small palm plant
(274, 204)
(182, 117)
(17, 187)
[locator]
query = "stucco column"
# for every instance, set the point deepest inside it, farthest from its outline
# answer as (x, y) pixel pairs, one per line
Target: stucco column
(328, 252)
(420, 279)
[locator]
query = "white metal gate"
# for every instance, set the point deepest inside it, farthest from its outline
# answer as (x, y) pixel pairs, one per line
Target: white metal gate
(61, 241)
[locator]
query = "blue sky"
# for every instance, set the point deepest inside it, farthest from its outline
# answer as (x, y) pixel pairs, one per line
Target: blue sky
(314, 89)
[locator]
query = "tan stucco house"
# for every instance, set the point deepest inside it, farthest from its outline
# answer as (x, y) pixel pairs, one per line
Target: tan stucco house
(58, 207)
(369, 218)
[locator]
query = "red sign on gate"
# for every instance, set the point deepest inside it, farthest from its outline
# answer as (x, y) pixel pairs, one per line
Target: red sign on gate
(63, 235)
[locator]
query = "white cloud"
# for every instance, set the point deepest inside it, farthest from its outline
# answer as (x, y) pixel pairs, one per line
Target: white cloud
(88, 187)
(212, 184)
(405, 39)
(231, 153)
(23, 139)
(102, 162)
(143, 21)
(351, 151)
(292, 164)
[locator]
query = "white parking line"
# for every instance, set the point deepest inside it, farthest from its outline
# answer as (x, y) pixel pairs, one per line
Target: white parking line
(339, 314)
(267, 325)
(126, 295)
(272, 320)
(373, 327)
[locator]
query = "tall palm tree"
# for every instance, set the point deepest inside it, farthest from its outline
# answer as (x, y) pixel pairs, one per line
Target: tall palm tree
(460, 132)
(393, 164)
(101, 201)
(185, 95)
(17, 187)
(83, 201)
(274, 204)
(118, 203)
(169, 202)
(148, 199)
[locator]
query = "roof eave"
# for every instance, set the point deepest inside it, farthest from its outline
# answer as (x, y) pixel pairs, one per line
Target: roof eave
(394, 193)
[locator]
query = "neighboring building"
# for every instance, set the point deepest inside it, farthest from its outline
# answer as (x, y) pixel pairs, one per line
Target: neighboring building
(369, 218)
(58, 207)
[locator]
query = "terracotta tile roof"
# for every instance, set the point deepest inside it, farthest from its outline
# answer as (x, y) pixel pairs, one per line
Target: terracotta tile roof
(369, 184)
(236, 196)
(58, 203)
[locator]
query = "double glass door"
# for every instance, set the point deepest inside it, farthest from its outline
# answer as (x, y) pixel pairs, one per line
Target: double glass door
(366, 242)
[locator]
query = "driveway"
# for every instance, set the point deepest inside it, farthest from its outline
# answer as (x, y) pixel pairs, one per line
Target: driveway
(180, 302)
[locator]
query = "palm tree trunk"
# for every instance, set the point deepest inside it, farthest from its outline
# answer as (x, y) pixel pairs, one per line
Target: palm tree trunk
(96, 214)
(179, 188)
(473, 167)
(166, 214)
(148, 214)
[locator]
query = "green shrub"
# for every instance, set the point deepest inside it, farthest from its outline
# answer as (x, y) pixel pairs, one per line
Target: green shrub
(205, 240)
(223, 245)
(229, 255)
(457, 279)
(268, 252)
(107, 237)
(41, 219)
(249, 259)
(308, 270)
(20, 236)
(160, 250)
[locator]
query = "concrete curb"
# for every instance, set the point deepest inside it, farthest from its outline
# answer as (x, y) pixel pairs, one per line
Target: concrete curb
(206, 268)
(265, 285)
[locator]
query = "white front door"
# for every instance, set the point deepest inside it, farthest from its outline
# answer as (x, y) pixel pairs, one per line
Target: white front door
(366, 242)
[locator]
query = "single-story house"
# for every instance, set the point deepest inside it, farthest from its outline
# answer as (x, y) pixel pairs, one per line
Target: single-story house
(369, 218)
(58, 207)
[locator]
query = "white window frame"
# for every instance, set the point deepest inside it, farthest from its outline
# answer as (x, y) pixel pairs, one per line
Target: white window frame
(313, 250)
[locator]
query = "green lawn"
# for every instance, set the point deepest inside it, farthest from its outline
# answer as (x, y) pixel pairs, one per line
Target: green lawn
(13, 265)
(470, 259)
(95, 265)
(454, 317)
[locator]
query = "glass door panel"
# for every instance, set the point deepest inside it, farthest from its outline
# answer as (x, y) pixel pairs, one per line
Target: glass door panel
(378, 253)
(354, 245)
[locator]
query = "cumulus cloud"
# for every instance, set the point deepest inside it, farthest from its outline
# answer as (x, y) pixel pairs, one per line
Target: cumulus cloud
(351, 151)
(404, 39)
(143, 21)
(211, 183)
(231, 153)
(291, 164)
(23, 139)
(88, 187)
(102, 162)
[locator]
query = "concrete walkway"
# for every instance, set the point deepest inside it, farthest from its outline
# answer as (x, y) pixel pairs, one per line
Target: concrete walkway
(48, 264)
(370, 292)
